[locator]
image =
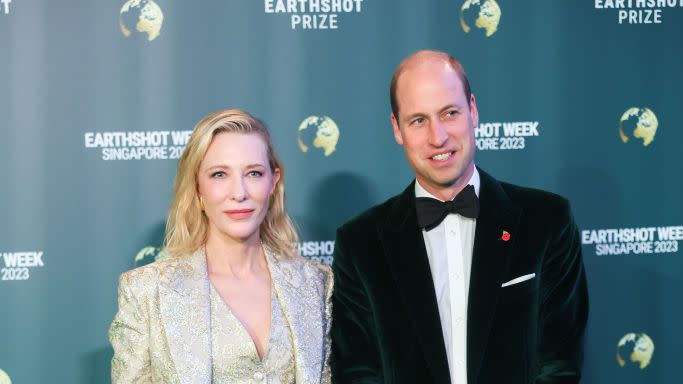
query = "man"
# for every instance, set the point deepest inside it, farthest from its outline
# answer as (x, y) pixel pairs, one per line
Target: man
(488, 288)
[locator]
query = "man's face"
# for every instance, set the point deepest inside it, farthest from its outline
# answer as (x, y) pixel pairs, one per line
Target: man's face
(435, 126)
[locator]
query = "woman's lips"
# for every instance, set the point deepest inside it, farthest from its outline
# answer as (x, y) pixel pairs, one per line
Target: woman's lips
(239, 214)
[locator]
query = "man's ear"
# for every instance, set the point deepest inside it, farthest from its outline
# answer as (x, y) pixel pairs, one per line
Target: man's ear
(473, 111)
(397, 131)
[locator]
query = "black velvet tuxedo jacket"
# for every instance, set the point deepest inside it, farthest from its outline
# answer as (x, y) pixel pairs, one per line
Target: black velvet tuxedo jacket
(386, 326)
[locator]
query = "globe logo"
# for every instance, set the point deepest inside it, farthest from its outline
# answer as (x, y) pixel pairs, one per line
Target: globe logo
(484, 14)
(143, 16)
(639, 125)
(148, 255)
(320, 132)
(4, 378)
(635, 349)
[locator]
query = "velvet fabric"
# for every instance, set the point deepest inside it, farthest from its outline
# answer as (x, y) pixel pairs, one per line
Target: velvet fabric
(386, 326)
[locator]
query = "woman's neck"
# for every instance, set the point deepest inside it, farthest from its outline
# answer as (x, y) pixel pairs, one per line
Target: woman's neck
(227, 256)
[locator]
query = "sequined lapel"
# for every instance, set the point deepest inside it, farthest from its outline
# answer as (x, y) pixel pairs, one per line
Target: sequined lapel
(304, 314)
(186, 312)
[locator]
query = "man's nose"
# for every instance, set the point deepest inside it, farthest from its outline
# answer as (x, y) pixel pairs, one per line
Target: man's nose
(437, 133)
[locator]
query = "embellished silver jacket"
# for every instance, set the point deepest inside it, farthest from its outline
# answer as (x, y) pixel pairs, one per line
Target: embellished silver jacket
(161, 331)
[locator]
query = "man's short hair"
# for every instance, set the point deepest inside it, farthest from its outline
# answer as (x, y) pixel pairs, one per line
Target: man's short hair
(428, 54)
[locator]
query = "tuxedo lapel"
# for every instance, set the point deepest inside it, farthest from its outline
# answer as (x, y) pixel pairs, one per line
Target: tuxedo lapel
(407, 257)
(491, 259)
(185, 315)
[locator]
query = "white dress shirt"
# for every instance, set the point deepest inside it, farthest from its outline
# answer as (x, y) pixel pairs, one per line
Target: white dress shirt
(449, 249)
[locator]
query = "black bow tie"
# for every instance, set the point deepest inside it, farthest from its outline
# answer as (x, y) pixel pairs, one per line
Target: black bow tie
(431, 212)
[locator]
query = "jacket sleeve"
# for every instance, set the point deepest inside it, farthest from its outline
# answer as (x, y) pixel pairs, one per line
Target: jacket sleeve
(355, 351)
(129, 336)
(329, 284)
(563, 306)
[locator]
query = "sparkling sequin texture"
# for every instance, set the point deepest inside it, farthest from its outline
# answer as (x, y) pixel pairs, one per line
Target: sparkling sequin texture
(161, 333)
(235, 359)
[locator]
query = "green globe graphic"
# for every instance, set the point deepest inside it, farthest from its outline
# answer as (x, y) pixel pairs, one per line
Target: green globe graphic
(4, 378)
(635, 350)
(483, 14)
(149, 255)
(638, 125)
(318, 132)
(141, 16)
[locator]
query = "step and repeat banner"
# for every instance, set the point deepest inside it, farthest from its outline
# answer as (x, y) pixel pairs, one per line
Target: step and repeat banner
(97, 99)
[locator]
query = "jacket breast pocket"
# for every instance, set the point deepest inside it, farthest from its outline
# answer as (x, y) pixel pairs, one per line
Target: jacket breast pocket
(519, 291)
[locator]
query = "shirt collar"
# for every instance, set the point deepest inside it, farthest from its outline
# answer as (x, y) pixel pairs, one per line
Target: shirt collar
(474, 181)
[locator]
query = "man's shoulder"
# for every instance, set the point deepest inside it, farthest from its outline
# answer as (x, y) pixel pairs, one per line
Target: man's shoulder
(359, 239)
(527, 195)
(537, 201)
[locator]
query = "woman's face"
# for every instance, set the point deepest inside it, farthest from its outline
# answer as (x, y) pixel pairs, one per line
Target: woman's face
(235, 183)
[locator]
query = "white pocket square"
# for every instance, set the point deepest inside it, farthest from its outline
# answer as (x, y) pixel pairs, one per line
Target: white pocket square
(518, 280)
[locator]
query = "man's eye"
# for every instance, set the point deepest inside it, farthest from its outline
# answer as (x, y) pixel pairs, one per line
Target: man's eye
(419, 121)
(451, 113)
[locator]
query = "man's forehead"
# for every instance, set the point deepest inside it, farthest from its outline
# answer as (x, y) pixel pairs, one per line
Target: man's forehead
(427, 68)
(428, 78)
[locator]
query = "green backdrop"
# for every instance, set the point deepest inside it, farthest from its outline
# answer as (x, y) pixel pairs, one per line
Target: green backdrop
(92, 120)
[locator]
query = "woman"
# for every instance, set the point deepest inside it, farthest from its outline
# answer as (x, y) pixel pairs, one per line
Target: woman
(234, 303)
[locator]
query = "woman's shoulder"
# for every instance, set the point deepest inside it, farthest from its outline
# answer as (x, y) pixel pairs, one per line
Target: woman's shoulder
(319, 268)
(146, 277)
(311, 269)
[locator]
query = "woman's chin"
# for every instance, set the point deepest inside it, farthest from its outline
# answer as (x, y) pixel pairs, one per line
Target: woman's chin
(245, 235)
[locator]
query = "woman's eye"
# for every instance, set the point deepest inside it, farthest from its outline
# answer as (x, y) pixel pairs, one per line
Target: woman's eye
(218, 174)
(255, 173)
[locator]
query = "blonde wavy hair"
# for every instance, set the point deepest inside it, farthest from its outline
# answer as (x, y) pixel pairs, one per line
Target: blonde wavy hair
(187, 225)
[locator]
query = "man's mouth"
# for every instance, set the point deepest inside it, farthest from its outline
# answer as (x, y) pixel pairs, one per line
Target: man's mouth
(442, 156)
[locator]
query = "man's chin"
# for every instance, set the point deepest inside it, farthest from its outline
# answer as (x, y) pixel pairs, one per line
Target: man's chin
(439, 182)
(446, 178)
(447, 181)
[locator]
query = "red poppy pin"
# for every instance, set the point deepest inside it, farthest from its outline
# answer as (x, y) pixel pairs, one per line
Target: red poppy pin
(505, 236)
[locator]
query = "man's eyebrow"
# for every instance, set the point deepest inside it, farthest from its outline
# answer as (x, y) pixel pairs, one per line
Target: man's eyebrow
(413, 115)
